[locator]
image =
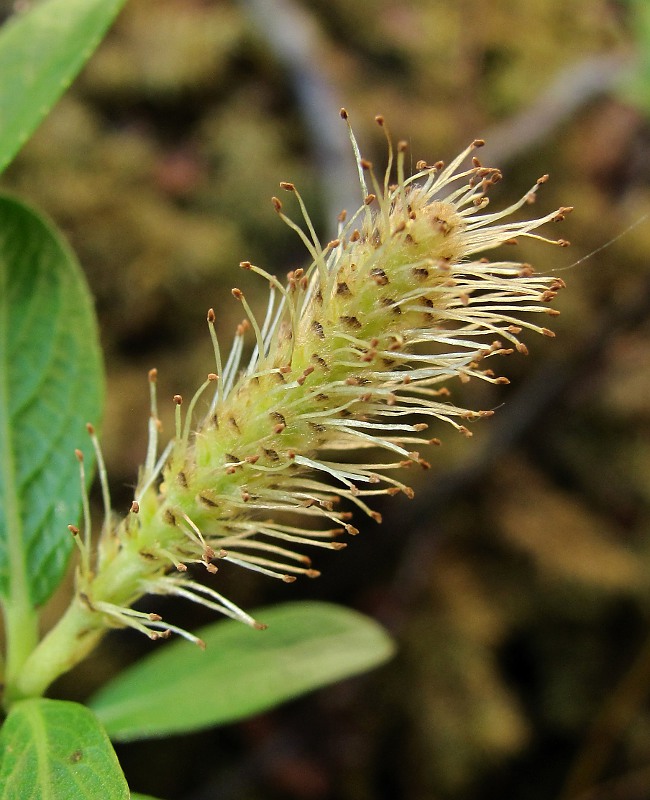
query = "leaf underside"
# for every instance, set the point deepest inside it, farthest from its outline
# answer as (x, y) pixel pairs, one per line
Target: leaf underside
(242, 671)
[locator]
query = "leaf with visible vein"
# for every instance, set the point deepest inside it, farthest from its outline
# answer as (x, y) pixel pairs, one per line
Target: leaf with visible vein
(55, 750)
(51, 384)
(242, 671)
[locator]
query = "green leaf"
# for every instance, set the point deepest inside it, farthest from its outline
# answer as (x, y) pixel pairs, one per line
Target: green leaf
(242, 671)
(142, 797)
(51, 383)
(41, 52)
(54, 750)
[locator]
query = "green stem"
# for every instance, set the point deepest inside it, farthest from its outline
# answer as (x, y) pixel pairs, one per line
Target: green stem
(21, 632)
(69, 642)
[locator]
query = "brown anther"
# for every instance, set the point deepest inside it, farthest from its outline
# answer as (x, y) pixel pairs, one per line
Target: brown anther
(365, 164)
(332, 245)
(563, 243)
(277, 205)
(548, 333)
(237, 293)
(355, 235)
(420, 165)
(521, 348)
(542, 180)
(369, 199)
(279, 428)
(73, 530)
(231, 470)
(211, 568)
(135, 507)
(439, 165)
(79, 455)
(343, 113)
(465, 431)
(478, 143)
(245, 496)
(402, 146)
(211, 319)
(288, 187)
(181, 567)
(212, 377)
(342, 216)
(502, 380)
(351, 530)
(379, 120)
(178, 399)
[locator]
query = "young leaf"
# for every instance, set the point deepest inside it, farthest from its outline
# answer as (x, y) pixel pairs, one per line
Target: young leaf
(55, 750)
(136, 796)
(51, 383)
(41, 52)
(242, 671)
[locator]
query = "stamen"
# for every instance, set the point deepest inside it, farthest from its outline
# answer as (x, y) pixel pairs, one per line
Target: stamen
(103, 478)
(154, 424)
(217, 357)
(85, 505)
(178, 401)
(212, 378)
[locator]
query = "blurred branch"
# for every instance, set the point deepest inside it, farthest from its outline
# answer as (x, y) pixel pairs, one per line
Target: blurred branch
(573, 88)
(295, 39)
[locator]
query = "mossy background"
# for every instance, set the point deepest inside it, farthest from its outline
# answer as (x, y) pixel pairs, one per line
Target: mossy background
(517, 581)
